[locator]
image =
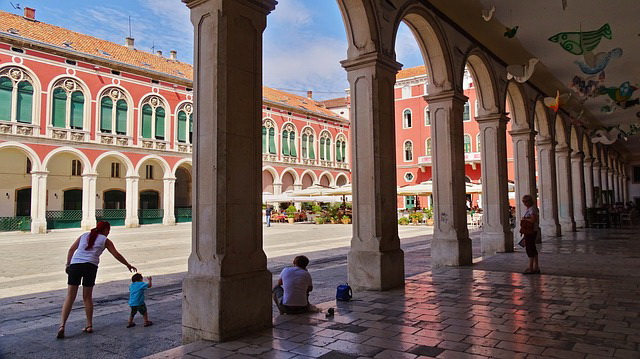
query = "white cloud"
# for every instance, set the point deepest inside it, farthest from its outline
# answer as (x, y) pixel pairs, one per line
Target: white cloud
(292, 13)
(407, 49)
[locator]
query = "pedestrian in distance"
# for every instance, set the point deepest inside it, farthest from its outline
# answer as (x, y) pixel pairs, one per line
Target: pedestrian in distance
(291, 294)
(83, 258)
(529, 227)
(136, 299)
(268, 215)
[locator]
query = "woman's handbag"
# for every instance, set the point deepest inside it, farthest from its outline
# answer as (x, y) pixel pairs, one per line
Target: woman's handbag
(526, 227)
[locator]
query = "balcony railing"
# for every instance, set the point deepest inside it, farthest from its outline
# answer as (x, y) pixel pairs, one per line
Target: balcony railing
(154, 144)
(68, 134)
(18, 128)
(114, 139)
(184, 147)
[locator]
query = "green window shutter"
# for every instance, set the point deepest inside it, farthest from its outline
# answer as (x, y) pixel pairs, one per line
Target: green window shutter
(77, 110)
(122, 110)
(264, 139)
(182, 126)
(272, 141)
(6, 89)
(106, 114)
(344, 150)
(191, 128)
(285, 143)
(338, 148)
(25, 102)
(147, 112)
(159, 123)
(465, 113)
(312, 155)
(328, 150)
(322, 148)
(292, 144)
(467, 143)
(58, 119)
(304, 146)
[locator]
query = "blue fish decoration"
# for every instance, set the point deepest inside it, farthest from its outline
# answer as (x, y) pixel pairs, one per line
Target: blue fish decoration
(580, 42)
(601, 62)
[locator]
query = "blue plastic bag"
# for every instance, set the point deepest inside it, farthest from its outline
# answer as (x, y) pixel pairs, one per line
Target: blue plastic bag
(343, 293)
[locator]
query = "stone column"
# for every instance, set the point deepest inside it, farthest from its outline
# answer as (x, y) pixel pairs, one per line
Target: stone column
(297, 187)
(496, 229)
(610, 184)
(375, 261)
(625, 188)
(565, 194)
(169, 201)
(227, 290)
(525, 170)
(578, 188)
(450, 245)
(548, 187)
(619, 186)
(39, 201)
(88, 200)
(597, 182)
(588, 182)
(132, 202)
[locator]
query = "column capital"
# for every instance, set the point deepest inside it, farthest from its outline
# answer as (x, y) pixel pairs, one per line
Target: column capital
(446, 96)
(577, 156)
(589, 160)
(492, 117)
(89, 175)
(266, 6)
(563, 148)
(133, 177)
(369, 60)
(522, 132)
(39, 173)
(545, 141)
(169, 179)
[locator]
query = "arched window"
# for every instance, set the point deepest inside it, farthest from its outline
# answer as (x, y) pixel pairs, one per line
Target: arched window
(467, 143)
(16, 96)
(465, 114)
(68, 105)
(153, 114)
(185, 123)
(289, 140)
(478, 146)
(307, 144)
(427, 116)
(113, 112)
(406, 118)
(408, 151)
(268, 137)
(325, 146)
(341, 149)
(428, 146)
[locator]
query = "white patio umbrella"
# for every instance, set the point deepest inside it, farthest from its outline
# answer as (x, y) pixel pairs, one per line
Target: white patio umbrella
(341, 191)
(424, 188)
(314, 190)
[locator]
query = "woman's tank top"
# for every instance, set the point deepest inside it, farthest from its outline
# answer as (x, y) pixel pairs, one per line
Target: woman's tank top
(82, 255)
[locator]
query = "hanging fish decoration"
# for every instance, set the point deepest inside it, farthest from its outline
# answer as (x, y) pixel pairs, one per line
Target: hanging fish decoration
(601, 60)
(580, 42)
(511, 32)
(488, 14)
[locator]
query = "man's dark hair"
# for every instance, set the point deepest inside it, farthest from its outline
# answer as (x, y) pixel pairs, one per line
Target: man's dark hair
(136, 277)
(301, 261)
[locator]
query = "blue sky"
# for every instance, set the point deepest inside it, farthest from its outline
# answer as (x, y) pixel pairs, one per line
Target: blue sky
(304, 40)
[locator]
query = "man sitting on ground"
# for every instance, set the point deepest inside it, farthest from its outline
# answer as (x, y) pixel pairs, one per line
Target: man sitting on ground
(291, 294)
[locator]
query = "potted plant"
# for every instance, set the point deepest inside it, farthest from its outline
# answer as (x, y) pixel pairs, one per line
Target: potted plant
(315, 212)
(416, 217)
(345, 220)
(403, 221)
(291, 213)
(319, 220)
(428, 213)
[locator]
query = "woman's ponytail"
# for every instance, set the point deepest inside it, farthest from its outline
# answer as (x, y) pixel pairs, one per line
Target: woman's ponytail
(101, 228)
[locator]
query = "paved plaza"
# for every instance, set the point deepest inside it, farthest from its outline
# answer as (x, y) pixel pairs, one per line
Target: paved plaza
(585, 304)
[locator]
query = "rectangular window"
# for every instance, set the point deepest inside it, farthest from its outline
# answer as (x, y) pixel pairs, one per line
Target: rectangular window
(149, 172)
(406, 92)
(76, 168)
(115, 170)
(636, 174)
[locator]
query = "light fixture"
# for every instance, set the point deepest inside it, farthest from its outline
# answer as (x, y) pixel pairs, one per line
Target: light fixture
(55, 195)
(97, 196)
(7, 194)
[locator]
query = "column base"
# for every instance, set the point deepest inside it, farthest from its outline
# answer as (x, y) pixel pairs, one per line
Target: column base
(567, 226)
(169, 221)
(131, 222)
(374, 270)
(87, 224)
(581, 223)
(224, 308)
(39, 226)
(451, 252)
(492, 243)
(550, 229)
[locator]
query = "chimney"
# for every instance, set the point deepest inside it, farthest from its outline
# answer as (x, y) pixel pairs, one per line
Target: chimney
(30, 13)
(128, 42)
(159, 53)
(309, 94)
(173, 55)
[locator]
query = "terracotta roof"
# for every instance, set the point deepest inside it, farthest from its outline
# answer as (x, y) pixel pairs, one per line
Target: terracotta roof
(336, 102)
(18, 26)
(411, 72)
(297, 102)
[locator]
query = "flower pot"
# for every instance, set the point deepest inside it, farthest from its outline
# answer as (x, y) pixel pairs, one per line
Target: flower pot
(346, 221)
(429, 221)
(290, 220)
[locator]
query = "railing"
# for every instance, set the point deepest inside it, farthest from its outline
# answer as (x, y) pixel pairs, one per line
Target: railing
(8, 224)
(68, 134)
(183, 214)
(115, 217)
(149, 216)
(154, 144)
(64, 219)
(184, 147)
(114, 139)
(18, 128)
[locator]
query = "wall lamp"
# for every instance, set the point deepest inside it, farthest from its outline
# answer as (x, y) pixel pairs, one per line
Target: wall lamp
(7, 194)
(97, 196)
(55, 195)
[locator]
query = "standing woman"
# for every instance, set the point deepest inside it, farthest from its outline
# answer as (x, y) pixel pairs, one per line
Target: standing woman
(82, 265)
(529, 229)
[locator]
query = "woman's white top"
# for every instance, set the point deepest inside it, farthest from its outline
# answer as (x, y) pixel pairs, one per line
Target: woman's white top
(82, 255)
(529, 213)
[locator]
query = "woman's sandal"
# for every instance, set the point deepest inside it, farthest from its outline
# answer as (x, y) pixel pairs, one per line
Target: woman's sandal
(60, 332)
(528, 271)
(88, 329)
(131, 325)
(148, 324)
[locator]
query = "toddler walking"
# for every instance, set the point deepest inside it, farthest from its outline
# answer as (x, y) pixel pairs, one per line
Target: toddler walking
(136, 299)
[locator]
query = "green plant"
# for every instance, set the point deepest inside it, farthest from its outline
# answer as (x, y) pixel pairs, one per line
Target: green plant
(316, 209)
(428, 213)
(346, 217)
(307, 206)
(416, 216)
(319, 220)
(291, 211)
(403, 221)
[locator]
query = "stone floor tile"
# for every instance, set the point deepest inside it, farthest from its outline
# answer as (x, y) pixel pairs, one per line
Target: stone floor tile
(280, 344)
(426, 351)
(495, 352)
(520, 347)
(485, 342)
(353, 337)
(354, 348)
(211, 352)
(233, 345)
(310, 351)
(389, 344)
(551, 343)
(392, 354)
(594, 349)
(562, 354)
(457, 346)
(449, 354)
(379, 333)
(441, 335)
(626, 354)
(276, 354)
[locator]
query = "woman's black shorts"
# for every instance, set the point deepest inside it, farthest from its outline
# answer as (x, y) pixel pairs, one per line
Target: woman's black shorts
(82, 271)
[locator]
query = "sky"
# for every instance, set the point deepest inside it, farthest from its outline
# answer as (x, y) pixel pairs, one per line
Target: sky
(304, 41)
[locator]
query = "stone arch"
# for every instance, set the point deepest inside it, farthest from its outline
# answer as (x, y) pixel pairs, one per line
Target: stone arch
(274, 173)
(341, 179)
(330, 181)
(361, 26)
(165, 166)
(28, 151)
(484, 81)
(127, 162)
(541, 120)
(516, 99)
(86, 164)
(560, 131)
(308, 174)
(184, 185)
(574, 138)
(185, 161)
(433, 45)
(289, 179)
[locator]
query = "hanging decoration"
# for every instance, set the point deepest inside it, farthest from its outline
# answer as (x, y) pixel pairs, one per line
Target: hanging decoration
(600, 61)
(564, 5)
(580, 42)
(620, 97)
(488, 14)
(522, 73)
(511, 32)
(586, 87)
(554, 103)
(607, 136)
(577, 119)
